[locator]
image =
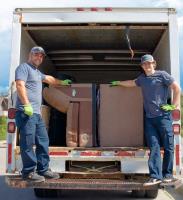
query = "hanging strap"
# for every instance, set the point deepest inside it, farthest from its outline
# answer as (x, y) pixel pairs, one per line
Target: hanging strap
(128, 41)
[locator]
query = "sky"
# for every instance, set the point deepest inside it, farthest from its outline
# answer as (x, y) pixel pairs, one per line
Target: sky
(8, 6)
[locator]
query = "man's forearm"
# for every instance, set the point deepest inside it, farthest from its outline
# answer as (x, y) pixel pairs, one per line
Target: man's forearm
(51, 80)
(129, 83)
(21, 91)
(176, 94)
(176, 97)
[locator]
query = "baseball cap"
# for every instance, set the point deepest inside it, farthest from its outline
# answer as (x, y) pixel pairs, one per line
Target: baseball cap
(38, 50)
(147, 58)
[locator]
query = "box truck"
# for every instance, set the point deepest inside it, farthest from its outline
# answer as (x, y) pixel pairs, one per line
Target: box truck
(105, 149)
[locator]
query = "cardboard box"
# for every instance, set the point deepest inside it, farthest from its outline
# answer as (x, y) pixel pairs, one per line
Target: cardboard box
(45, 112)
(121, 117)
(85, 124)
(81, 94)
(56, 99)
(76, 101)
(77, 92)
(72, 125)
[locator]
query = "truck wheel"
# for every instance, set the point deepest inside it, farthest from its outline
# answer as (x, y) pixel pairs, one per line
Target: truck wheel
(42, 193)
(138, 193)
(152, 193)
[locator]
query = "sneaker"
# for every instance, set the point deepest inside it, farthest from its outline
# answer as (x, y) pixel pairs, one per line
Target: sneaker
(50, 175)
(34, 177)
(152, 181)
(169, 179)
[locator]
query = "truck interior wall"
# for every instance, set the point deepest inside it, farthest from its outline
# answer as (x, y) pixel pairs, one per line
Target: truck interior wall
(26, 44)
(162, 53)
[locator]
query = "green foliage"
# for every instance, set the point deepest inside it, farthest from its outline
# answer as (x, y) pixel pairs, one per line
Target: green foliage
(3, 128)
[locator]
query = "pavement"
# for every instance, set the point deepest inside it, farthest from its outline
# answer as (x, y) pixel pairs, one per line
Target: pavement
(2, 143)
(2, 156)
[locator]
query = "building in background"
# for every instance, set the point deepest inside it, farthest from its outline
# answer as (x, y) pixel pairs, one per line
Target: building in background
(3, 106)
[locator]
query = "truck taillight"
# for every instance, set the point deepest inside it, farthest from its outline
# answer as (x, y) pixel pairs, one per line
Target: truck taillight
(176, 129)
(11, 127)
(80, 9)
(176, 115)
(11, 113)
(94, 9)
(108, 9)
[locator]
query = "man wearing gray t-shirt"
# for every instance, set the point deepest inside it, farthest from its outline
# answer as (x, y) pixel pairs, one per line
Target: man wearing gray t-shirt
(28, 117)
(155, 87)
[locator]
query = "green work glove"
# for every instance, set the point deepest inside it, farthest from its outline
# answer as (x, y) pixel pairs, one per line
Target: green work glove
(66, 82)
(28, 110)
(114, 83)
(168, 107)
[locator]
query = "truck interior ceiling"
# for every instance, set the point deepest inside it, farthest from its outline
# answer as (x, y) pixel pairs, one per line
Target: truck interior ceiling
(97, 53)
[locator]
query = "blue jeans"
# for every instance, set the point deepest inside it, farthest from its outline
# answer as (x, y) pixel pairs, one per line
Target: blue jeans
(33, 132)
(158, 132)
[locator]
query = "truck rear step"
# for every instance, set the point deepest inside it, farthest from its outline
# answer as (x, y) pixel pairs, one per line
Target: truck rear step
(84, 184)
(88, 183)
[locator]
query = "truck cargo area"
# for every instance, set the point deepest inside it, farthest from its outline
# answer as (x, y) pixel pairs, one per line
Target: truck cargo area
(93, 53)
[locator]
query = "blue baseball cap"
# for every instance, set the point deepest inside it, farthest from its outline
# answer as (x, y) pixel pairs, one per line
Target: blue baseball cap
(38, 50)
(147, 58)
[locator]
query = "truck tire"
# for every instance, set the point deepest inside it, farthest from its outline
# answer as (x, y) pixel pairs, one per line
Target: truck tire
(46, 193)
(138, 193)
(152, 194)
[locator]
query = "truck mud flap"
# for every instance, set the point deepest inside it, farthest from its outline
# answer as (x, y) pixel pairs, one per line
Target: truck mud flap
(80, 184)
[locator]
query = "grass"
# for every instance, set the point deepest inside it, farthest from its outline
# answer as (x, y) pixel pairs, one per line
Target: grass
(3, 128)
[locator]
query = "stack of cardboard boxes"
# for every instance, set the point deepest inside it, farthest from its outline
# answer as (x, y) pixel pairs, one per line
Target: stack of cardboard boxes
(120, 114)
(76, 101)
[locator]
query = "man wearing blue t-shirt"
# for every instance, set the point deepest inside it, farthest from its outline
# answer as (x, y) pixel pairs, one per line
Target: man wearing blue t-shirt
(155, 87)
(28, 117)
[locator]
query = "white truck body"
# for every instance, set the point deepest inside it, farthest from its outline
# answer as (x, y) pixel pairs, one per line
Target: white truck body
(33, 27)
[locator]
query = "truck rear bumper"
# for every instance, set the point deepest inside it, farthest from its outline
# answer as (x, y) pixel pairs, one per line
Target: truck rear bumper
(86, 184)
